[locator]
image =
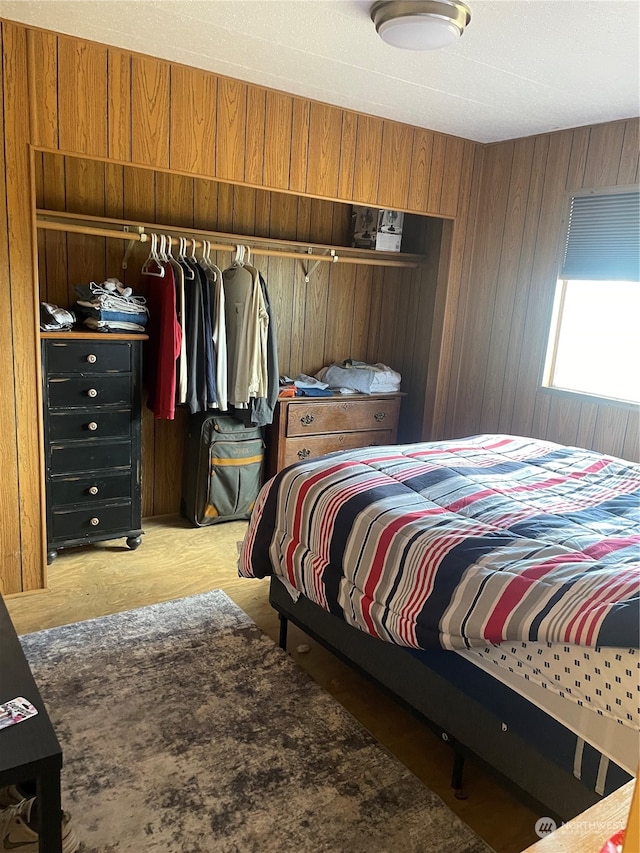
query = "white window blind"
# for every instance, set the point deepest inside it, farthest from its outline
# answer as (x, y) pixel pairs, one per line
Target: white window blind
(603, 240)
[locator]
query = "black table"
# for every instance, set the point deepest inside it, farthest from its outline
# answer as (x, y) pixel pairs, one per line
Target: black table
(29, 750)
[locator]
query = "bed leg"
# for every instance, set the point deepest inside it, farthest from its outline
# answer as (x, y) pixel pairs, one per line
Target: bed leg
(284, 624)
(456, 775)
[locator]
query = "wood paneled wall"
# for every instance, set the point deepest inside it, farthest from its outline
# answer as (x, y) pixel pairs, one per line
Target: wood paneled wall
(103, 102)
(343, 312)
(509, 283)
(74, 97)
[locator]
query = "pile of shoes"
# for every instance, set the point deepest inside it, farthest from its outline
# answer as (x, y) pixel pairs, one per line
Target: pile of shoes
(18, 822)
(110, 307)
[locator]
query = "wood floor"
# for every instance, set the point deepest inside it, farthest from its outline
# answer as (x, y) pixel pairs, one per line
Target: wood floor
(176, 560)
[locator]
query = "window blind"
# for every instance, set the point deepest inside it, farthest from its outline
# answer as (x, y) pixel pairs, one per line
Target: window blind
(603, 240)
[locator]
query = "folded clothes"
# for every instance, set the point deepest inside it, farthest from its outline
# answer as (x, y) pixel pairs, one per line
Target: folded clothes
(112, 326)
(314, 392)
(82, 310)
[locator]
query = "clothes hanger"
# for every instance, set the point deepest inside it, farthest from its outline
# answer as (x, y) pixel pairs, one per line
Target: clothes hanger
(189, 273)
(153, 260)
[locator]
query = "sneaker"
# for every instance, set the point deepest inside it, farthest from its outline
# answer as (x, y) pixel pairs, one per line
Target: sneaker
(17, 832)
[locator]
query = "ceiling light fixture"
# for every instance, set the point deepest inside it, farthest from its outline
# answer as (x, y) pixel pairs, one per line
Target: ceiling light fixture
(420, 24)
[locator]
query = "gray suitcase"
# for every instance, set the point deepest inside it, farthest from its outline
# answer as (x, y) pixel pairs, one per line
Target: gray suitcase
(223, 468)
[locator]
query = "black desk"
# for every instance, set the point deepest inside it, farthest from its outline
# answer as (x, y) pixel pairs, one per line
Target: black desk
(29, 750)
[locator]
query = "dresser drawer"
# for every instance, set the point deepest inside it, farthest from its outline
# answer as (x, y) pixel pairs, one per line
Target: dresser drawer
(91, 521)
(342, 416)
(92, 456)
(72, 393)
(88, 357)
(89, 489)
(89, 424)
(297, 449)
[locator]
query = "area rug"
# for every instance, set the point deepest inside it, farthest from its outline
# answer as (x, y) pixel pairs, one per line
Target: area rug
(186, 730)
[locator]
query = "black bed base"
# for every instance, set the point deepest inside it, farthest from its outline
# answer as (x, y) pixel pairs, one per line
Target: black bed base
(524, 745)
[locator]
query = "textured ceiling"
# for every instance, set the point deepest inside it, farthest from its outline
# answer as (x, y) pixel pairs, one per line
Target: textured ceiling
(522, 67)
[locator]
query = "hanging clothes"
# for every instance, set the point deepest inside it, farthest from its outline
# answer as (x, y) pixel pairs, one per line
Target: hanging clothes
(218, 331)
(246, 326)
(163, 346)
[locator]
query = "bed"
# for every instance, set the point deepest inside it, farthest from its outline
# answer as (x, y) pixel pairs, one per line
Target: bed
(492, 584)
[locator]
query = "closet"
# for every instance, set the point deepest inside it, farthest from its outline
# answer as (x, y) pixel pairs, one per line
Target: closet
(358, 307)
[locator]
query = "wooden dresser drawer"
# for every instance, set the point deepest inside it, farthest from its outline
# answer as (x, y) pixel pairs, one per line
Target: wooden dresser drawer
(74, 524)
(92, 456)
(65, 392)
(99, 424)
(88, 357)
(307, 427)
(298, 449)
(88, 489)
(342, 415)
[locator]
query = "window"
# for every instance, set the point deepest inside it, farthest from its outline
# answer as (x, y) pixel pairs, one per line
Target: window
(594, 341)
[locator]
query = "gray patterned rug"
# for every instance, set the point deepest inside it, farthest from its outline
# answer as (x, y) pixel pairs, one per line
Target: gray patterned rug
(186, 730)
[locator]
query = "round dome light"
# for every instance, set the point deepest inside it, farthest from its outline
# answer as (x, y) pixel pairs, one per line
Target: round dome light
(420, 24)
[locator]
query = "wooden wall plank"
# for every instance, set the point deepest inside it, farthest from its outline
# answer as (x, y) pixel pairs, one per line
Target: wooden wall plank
(325, 131)
(23, 302)
(522, 283)
(150, 99)
(420, 170)
(630, 155)
(476, 347)
(543, 282)
(603, 158)
(192, 124)
(453, 167)
(205, 205)
(278, 124)
(395, 166)
(231, 128)
(256, 135)
(82, 96)
(55, 288)
(299, 145)
(437, 173)
(119, 116)
(367, 166)
(508, 264)
(10, 539)
(631, 446)
(347, 155)
(43, 87)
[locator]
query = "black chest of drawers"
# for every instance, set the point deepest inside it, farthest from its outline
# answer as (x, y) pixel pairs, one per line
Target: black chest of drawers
(92, 414)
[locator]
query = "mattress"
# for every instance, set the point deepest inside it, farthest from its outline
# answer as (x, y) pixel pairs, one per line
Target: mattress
(594, 692)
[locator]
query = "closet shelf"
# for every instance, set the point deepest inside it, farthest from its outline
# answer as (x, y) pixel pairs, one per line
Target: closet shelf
(122, 229)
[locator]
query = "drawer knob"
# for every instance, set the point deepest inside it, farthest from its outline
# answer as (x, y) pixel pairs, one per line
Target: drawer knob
(307, 419)
(93, 490)
(91, 358)
(304, 453)
(92, 426)
(92, 392)
(380, 416)
(95, 522)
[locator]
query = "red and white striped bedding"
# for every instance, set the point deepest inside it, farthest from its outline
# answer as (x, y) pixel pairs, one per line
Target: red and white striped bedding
(455, 544)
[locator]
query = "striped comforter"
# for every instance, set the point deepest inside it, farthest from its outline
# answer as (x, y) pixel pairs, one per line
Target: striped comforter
(452, 544)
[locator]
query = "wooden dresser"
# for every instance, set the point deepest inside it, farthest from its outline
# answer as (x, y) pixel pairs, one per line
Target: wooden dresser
(311, 426)
(92, 411)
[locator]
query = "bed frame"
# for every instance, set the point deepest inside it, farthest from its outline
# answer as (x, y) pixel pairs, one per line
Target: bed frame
(469, 709)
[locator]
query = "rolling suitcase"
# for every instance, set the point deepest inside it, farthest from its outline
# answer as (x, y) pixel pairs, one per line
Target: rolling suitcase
(223, 467)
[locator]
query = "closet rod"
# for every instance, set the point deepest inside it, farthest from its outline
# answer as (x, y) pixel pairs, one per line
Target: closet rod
(223, 247)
